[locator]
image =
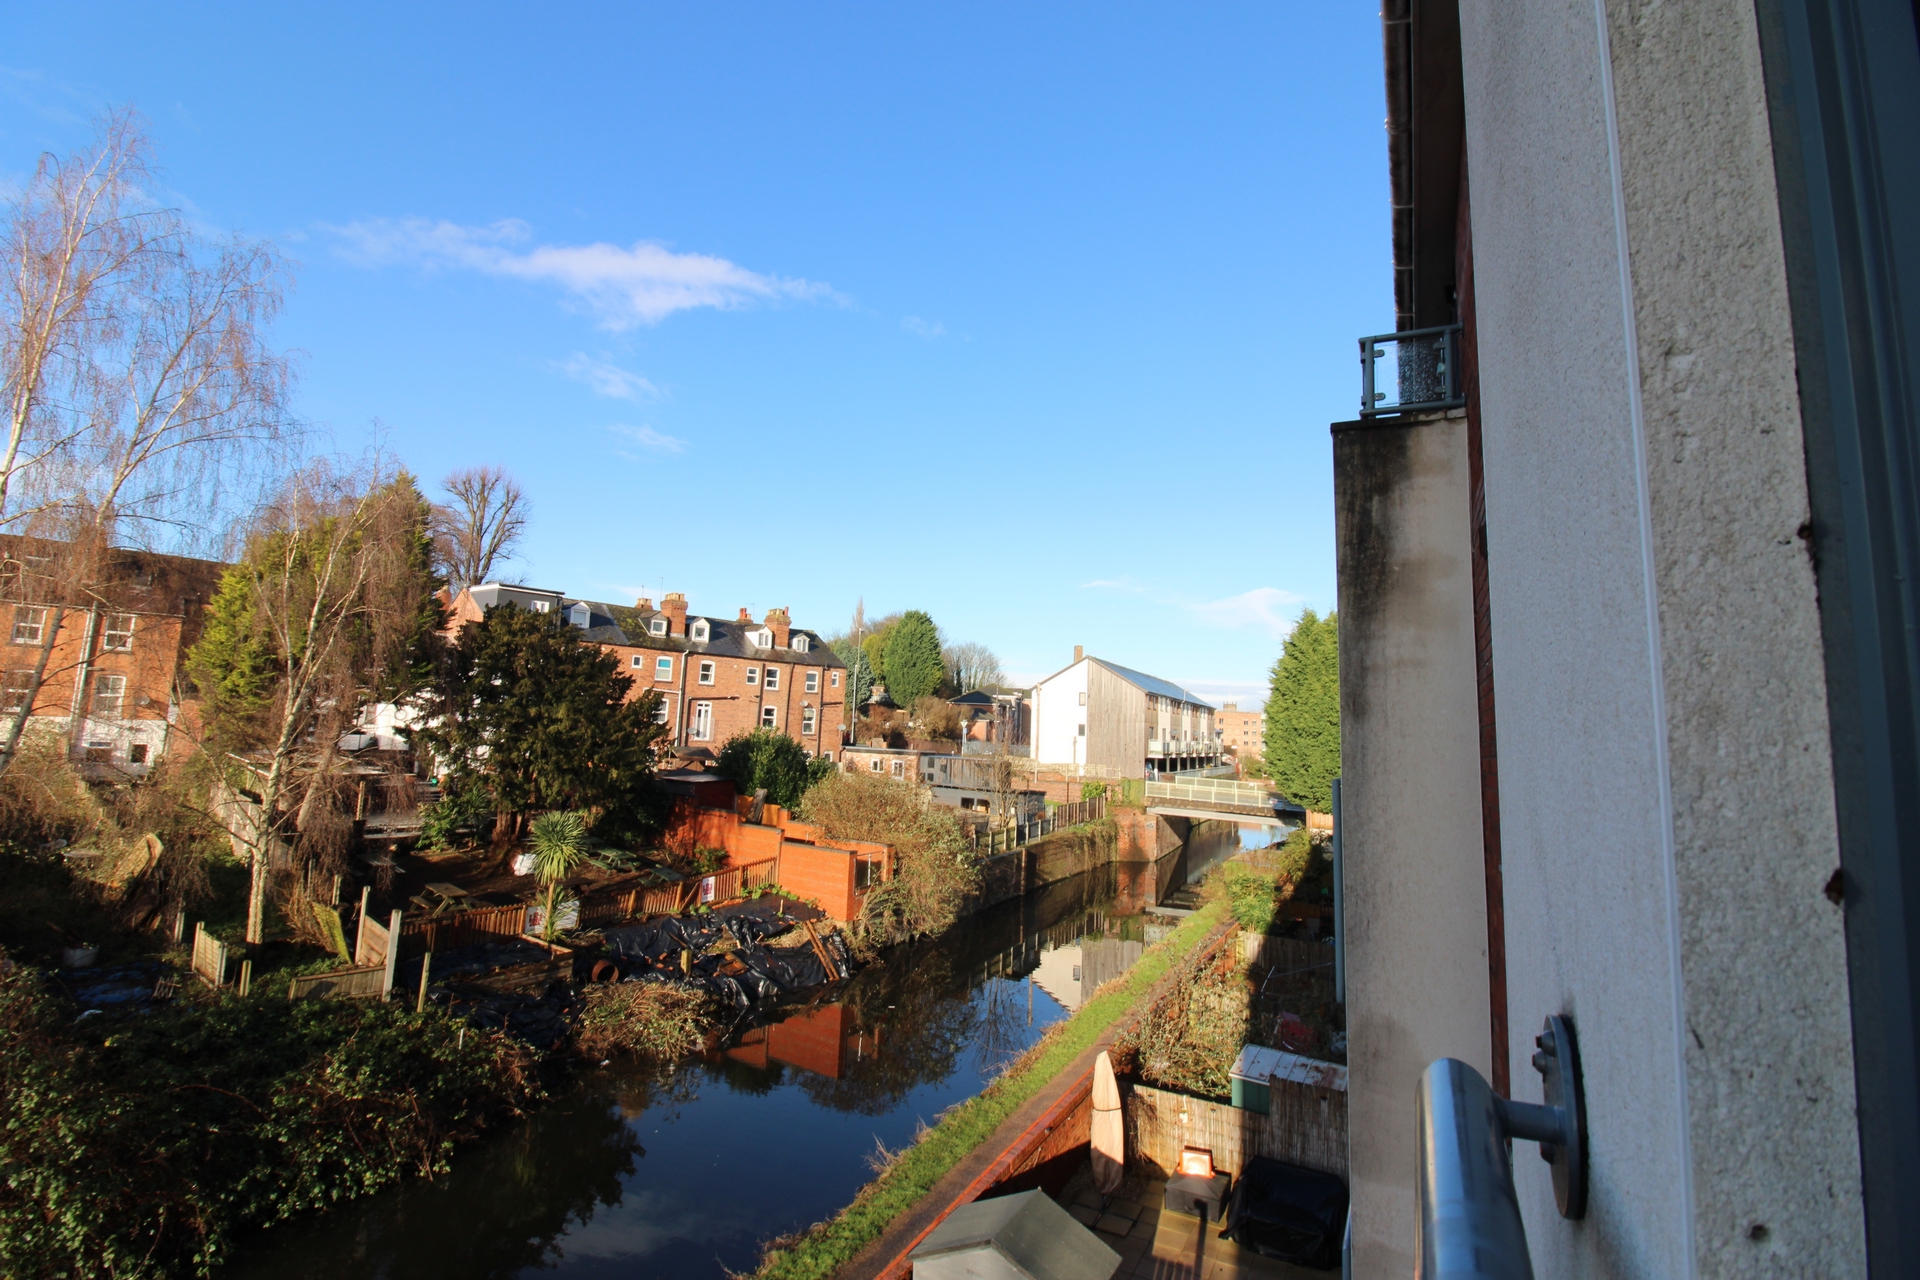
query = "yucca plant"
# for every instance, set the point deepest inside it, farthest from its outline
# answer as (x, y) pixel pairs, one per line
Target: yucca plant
(558, 842)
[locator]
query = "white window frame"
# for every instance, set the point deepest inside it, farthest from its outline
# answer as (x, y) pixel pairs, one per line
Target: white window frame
(13, 690)
(658, 627)
(706, 673)
(799, 644)
(836, 680)
(29, 623)
(813, 682)
(899, 768)
(769, 716)
(753, 676)
(773, 677)
(806, 722)
(701, 726)
(125, 633)
(663, 668)
(873, 764)
(639, 661)
(662, 712)
(699, 631)
(109, 696)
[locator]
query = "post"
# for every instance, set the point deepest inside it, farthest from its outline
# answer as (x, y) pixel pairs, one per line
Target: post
(393, 953)
(246, 977)
(360, 929)
(426, 964)
(1339, 907)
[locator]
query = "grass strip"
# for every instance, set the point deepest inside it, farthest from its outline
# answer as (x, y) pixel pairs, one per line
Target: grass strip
(827, 1247)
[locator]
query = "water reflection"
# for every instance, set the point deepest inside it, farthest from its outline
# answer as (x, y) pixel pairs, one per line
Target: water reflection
(637, 1174)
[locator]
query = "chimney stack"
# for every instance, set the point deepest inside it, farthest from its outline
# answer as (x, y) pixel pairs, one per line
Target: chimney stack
(674, 605)
(643, 604)
(745, 616)
(1078, 653)
(780, 622)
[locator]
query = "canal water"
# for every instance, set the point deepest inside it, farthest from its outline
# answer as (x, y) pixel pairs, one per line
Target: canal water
(639, 1173)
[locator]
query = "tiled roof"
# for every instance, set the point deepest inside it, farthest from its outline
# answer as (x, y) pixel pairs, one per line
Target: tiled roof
(726, 637)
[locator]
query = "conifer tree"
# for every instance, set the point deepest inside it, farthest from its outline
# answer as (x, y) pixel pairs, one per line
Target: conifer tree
(1302, 741)
(913, 667)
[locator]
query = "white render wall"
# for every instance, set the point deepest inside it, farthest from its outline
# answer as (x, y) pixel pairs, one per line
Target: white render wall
(1058, 715)
(1666, 801)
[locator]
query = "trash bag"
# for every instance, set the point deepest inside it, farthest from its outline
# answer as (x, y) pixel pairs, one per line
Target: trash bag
(1288, 1212)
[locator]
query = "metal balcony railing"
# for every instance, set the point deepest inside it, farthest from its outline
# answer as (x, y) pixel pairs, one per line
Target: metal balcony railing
(1468, 1220)
(1421, 366)
(1212, 791)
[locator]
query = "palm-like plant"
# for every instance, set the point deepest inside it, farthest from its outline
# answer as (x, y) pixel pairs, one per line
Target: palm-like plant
(558, 842)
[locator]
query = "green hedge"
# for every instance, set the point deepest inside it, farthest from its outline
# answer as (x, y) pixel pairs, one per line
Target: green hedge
(827, 1247)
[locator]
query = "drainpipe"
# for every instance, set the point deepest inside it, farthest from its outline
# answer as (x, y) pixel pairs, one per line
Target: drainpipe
(1339, 907)
(80, 680)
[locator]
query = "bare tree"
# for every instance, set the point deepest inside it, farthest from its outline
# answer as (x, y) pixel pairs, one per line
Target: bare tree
(974, 666)
(140, 394)
(329, 593)
(480, 526)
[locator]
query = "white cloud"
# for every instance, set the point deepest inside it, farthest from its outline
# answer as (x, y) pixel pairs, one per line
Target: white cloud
(923, 328)
(650, 440)
(1127, 585)
(607, 378)
(1266, 609)
(638, 285)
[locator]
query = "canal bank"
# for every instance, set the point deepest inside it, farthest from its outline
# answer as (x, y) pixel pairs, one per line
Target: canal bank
(686, 1172)
(1154, 856)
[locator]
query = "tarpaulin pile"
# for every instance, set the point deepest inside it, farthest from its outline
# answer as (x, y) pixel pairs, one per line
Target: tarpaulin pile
(121, 984)
(651, 952)
(481, 959)
(541, 1021)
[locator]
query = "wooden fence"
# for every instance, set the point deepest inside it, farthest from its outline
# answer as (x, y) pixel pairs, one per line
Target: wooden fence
(463, 928)
(371, 982)
(211, 957)
(1016, 835)
(1304, 1126)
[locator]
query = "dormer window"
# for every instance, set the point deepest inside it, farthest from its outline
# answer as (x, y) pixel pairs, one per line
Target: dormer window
(762, 639)
(799, 644)
(699, 632)
(581, 615)
(657, 627)
(542, 606)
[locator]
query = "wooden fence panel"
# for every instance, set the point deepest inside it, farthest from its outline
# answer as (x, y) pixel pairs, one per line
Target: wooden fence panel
(461, 929)
(371, 946)
(211, 957)
(1303, 1126)
(367, 983)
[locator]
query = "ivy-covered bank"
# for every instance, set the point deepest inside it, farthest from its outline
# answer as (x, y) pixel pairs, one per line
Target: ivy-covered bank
(820, 1252)
(138, 1146)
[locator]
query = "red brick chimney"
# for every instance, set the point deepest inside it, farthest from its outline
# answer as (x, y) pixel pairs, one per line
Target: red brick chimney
(674, 605)
(745, 616)
(780, 622)
(1078, 653)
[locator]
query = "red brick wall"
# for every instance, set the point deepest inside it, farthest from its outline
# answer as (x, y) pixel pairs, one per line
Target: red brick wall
(821, 874)
(814, 1041)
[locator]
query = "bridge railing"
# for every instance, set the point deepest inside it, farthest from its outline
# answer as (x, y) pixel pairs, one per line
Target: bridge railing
(1214, 792)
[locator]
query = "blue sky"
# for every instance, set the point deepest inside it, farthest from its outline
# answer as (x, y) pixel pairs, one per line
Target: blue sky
(1031, 318)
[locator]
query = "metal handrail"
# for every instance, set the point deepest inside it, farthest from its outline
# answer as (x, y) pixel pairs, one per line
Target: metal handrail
(1442, 374)
(1468, 1221)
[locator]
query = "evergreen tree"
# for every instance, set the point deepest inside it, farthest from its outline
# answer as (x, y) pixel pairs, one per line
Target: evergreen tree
(1302, 742)
(539, 719)
(770, 759)
(913, 667)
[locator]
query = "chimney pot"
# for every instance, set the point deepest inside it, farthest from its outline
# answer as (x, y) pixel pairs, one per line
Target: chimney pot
(745, 616)
(1078, 653)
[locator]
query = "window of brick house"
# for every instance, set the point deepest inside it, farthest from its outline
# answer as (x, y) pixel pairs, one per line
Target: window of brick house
(137, 753)
(699, 631)
(14, 696)
(874, 764)
(657, 627)
(109, 696)
(29, 623)
(660, 712)
(899, 768)
(638, 662)
(663, 668)
(702, 721)
(706, 673)
(836, 679)
(806, 722)
(773, 677)
(753, 675)
(118, 637)
(813, 682)
(769, 717)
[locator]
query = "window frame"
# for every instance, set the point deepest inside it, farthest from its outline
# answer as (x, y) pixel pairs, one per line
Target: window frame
(772, 682)
(700, 724)
(118, 698)
(108, 631)
(663, 668)
(808, 722)
(38, 614)
(753, 675)
(769, 715)
(706, 672)
(813, 682)
(8, 689)
(657, 627)
(639, 661)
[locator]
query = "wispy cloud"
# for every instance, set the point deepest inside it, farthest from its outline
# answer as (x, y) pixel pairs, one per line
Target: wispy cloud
(647, 438)
(1267, 609)
(1127, 585)
(607, 378)
(641, 284)
(928, 329)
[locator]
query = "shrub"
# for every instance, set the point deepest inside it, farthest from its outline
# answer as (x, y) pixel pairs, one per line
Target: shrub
(646, 1019)
(770, 759)
(933, 870)
(460, 809)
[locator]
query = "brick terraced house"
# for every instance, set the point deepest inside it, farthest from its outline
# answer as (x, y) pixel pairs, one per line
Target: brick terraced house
(111, 685)
(716, 677)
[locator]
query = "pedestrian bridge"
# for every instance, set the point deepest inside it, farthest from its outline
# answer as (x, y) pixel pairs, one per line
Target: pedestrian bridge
(1221, 798)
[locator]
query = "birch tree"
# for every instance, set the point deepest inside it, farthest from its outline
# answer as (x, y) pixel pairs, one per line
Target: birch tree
(141, 397)
(326, 611)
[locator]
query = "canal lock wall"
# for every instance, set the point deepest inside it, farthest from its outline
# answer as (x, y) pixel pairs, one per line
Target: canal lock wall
(1134, 838)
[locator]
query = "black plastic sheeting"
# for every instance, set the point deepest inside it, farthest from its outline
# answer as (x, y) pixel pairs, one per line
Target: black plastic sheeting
(650, 952)
(120, 984)
(1288, 1212)
(476, 960)
(541, 1021)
